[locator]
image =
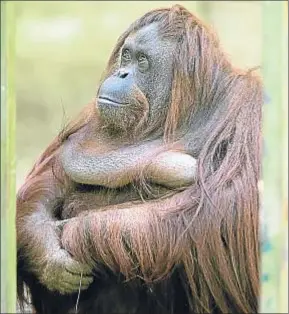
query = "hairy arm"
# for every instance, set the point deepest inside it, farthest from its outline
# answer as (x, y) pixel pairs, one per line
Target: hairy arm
(119, 167)
(134, 239)
(38, 237)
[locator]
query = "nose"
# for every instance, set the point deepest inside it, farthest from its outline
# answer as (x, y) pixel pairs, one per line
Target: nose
(122, 73)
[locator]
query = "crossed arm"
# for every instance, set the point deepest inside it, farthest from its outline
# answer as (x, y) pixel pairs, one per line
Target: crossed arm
(117, 168)
(139, 225)
(137, 240)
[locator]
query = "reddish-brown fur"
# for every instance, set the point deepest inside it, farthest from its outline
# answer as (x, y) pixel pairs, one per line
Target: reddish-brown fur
(207, 235)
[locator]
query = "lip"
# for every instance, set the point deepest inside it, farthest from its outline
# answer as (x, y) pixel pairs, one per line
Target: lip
(110, 102)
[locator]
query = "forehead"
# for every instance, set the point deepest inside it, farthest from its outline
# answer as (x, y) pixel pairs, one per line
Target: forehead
(146, 38)
(144, 35)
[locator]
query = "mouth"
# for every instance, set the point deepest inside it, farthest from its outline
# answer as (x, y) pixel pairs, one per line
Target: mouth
(110, 102)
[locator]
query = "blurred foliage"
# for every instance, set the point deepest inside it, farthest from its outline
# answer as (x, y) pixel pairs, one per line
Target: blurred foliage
(275, 131)
(62, 48)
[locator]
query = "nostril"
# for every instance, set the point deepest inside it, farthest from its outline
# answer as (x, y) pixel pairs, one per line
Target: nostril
(123, 75)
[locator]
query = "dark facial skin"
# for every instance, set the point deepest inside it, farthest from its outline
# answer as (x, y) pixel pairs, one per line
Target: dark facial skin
(143, 65)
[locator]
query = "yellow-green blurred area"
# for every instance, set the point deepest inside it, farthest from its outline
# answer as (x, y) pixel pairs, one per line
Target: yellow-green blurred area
(62, 48)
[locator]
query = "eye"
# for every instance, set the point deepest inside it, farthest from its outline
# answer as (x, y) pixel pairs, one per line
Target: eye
(142, 62)
(125, 56)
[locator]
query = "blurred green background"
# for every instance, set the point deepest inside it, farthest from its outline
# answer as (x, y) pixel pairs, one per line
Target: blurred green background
(62, 48)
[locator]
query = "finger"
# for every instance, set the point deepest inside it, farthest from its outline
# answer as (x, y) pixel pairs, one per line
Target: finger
(78, 268)
(62, 288)
(66, 288)
(72, 287)
(87, 280)
(75, 279)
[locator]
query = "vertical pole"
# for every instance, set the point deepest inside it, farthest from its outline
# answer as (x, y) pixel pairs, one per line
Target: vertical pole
(284, 218)
(8, 232)
(274, 132)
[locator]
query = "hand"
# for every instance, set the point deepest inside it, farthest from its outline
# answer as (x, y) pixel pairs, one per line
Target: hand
(63, 274)
(173, 169)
